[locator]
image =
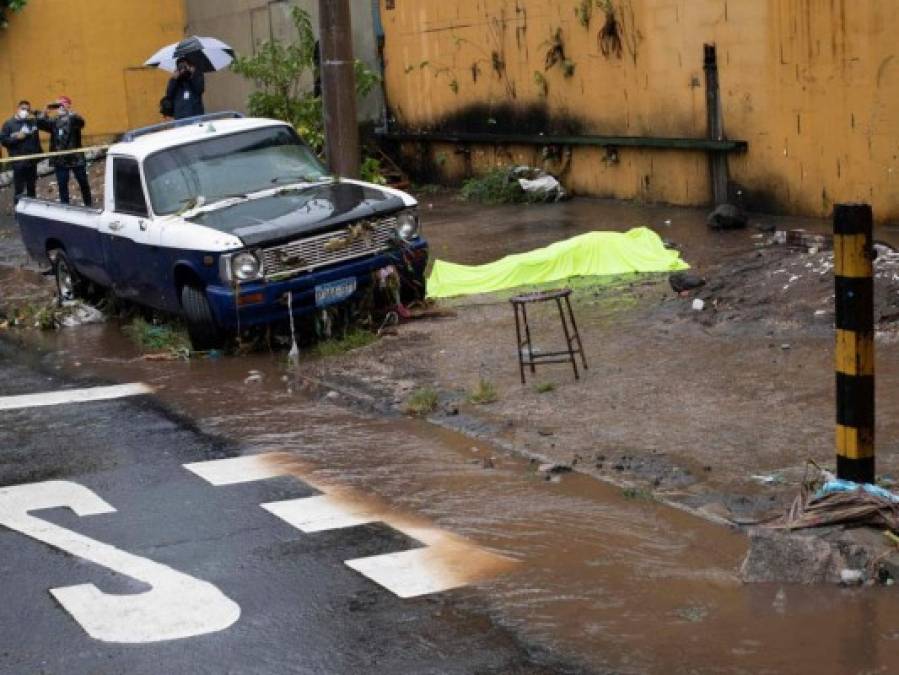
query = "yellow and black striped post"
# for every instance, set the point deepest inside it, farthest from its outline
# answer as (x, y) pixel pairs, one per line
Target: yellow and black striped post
(854, 286)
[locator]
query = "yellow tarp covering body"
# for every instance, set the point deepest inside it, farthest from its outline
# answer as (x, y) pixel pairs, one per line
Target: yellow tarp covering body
(591, 254)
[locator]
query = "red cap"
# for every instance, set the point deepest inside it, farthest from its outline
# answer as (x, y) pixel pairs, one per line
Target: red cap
(65, 100)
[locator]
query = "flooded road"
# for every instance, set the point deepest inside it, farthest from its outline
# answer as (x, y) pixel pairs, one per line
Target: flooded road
(609, 579)
(619, 583)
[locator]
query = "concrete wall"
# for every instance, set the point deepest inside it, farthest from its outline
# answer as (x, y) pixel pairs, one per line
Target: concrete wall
(245, 23)
(812, 85)
(91, 51)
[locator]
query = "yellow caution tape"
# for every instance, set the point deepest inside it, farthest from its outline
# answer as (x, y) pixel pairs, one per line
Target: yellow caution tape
(42, 155)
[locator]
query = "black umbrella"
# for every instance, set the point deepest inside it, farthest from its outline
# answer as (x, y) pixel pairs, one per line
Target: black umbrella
(206, 53)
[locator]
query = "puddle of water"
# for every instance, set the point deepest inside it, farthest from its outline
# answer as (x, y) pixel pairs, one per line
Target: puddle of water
(615, 582)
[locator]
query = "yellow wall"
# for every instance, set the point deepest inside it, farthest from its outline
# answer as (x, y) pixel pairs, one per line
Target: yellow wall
(91, 51)
(812, 85)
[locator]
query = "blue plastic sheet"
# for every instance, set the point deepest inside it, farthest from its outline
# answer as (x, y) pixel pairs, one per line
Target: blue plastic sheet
(840, 485)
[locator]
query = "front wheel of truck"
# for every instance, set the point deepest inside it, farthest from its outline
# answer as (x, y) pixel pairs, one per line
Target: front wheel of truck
(201, 327)
(69, 285)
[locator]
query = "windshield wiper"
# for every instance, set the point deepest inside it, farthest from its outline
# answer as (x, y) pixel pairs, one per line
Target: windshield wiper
(221, 198)
(305, 177)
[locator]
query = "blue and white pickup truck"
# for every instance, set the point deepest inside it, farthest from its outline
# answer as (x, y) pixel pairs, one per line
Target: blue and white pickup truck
(225, 221)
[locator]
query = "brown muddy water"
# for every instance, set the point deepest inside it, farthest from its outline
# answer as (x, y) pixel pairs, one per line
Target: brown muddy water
(619, 583)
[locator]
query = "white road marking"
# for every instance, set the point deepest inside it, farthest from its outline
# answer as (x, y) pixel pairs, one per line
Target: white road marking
(73, 396)
(236, 470)
(320, 513)
(445, 562)
(177, 605)
(406, 574)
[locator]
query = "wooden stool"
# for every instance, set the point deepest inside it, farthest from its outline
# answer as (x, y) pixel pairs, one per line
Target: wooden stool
(572, 337)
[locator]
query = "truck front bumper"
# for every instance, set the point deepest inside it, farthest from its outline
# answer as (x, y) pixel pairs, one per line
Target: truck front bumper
(263, 302)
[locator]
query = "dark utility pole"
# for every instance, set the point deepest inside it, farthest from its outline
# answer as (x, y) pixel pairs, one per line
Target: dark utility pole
(854, 292)
(715, 130)
(339, 88)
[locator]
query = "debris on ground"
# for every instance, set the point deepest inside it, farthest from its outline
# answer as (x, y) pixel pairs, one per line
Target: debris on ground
(685, 281)
(538, 184)
(77, 313)
(517, 184)
(830, 533)
(778, 285)
(727, 217)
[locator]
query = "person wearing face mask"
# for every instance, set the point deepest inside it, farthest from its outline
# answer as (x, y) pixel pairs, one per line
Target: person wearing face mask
(20, 137)
(64, 126)
(185, 90)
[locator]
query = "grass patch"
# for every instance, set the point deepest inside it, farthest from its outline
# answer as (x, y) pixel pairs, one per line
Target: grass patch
(422, 401)
(495, 187)
(545, 387)
(638, 493)
(354, 339)
(164, 337)
(484, 393)
(43, 315)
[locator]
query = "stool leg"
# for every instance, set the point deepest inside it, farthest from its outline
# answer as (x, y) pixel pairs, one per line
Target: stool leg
(518, 343)
(567, 339)
(577, 334)
(527, 333)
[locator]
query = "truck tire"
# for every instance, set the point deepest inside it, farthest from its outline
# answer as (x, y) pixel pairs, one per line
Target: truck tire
(201, 328)
(69, 284)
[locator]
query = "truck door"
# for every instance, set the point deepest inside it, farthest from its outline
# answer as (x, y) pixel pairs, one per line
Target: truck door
(130, 240)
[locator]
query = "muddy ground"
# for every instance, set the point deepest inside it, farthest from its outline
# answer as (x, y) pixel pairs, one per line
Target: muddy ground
(717, 410)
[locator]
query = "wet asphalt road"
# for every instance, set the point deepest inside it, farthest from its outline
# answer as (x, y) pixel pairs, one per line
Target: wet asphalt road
(301, 609)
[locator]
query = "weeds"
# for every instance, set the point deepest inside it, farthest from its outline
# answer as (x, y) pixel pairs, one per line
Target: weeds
(353, 339)
(584, 12)
(421, 402)
(494, 187)
(150, 337)
(44, 316)
(638, 493)
(372, 172)
(484, 393)
(545, 387)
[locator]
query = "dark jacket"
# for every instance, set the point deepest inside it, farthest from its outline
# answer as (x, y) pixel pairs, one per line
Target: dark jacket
(65, 134)
(186, 94)
(30, 145)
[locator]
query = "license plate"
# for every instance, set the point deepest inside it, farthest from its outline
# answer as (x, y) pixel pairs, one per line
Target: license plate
(334, 291)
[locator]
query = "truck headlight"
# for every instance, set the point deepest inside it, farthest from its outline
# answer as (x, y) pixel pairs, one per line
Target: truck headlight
(407, 226)
(246, 266)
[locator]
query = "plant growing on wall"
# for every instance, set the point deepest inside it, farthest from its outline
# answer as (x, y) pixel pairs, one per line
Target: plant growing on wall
(609, 37)
(7, 6)
(584, 12)
(282, 70)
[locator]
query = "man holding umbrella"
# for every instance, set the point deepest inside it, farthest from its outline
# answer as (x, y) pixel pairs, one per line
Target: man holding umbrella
(185, 90)
(188, 60)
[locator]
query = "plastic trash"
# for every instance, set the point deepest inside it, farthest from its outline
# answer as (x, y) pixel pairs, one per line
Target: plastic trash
(840, 485)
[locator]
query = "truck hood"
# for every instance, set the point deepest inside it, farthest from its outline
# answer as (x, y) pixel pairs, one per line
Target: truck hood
(302, 211)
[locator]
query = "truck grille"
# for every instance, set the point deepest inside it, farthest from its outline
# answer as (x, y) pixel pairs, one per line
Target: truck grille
(362, 238)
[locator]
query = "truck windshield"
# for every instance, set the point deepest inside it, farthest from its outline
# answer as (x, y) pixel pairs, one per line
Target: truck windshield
(226, 166)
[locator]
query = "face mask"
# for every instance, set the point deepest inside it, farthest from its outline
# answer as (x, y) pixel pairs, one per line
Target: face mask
(23, 114)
